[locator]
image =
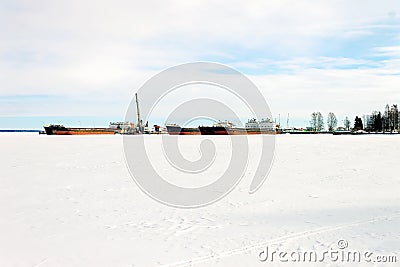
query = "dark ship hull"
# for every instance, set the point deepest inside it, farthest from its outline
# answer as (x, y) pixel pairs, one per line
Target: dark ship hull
(220, 130)
(61, 130)
(177, 130)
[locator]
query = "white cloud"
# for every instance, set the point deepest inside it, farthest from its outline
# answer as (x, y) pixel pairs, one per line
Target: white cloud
(344, 92)
(102, 51)
(392, 51)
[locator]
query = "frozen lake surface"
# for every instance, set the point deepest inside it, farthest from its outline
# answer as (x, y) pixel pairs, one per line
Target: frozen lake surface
(70, 201)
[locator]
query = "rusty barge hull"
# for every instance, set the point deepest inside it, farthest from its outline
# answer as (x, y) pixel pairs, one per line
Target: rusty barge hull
(61, 130)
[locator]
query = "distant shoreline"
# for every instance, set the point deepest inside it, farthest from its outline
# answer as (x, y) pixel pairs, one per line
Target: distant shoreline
(20, 131)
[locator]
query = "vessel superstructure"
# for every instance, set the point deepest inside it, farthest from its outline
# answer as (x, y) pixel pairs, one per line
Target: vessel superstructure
(265, 126)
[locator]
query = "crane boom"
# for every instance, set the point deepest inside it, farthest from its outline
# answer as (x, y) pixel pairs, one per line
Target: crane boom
(139, 123)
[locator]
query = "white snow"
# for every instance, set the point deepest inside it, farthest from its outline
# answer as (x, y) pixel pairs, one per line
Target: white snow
(70, 201)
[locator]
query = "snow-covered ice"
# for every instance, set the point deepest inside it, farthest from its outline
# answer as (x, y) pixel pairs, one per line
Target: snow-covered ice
(70, 201)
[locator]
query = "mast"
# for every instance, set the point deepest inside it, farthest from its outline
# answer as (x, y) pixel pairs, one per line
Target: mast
(139, 124)
(280, 120)
(287, 122)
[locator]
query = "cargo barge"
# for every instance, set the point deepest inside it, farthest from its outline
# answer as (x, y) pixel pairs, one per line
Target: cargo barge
(227, 128)
(222, 128)
(55, 129)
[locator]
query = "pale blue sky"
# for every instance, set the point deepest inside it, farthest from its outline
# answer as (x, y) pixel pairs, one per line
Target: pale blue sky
(79, 62)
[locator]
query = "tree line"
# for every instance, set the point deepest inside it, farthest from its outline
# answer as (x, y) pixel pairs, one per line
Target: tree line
(388, 121)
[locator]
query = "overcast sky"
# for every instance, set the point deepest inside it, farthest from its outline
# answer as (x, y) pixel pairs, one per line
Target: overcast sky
(75, 61)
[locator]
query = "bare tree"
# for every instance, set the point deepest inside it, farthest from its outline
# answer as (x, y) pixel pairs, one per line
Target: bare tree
(395, 117)
(332, 121)
(369, 122)
(386, 119)
(365, 120)
(347, 123)
(313, 121)
(320, 122)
